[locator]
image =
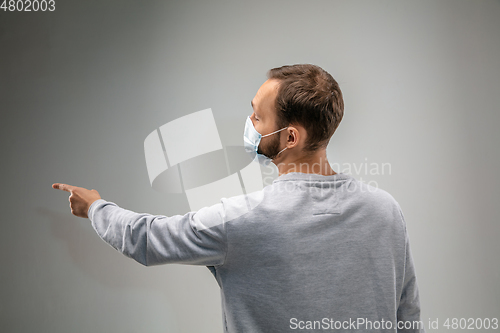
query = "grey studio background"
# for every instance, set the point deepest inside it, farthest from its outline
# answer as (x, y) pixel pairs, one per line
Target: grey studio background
(82, 87)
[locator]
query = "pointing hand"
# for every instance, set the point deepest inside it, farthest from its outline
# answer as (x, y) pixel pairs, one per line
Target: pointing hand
(80, 198)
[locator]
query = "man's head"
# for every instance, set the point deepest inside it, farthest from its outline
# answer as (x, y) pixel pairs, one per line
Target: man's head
(304, 98)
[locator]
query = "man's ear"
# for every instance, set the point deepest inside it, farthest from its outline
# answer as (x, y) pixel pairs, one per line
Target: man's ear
(293, 137)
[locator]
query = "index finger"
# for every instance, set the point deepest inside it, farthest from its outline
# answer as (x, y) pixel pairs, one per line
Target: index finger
(64, 187)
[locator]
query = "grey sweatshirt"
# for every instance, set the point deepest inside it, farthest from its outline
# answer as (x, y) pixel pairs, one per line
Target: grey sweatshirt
(307, 253)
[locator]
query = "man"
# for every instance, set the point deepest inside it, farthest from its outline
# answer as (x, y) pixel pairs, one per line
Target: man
(315, 250)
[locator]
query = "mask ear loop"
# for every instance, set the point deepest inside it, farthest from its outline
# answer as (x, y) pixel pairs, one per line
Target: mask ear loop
(281, 151)
(278, 154)
(274, 132)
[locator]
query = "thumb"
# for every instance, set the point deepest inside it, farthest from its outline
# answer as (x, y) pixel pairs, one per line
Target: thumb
(64, 187)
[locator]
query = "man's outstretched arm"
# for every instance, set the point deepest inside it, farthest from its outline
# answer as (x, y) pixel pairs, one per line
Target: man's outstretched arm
(196, 238)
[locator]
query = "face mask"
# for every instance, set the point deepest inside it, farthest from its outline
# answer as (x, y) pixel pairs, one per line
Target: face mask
(252, 140)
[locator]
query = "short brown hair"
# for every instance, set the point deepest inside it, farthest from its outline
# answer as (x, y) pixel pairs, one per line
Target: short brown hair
(308, 95)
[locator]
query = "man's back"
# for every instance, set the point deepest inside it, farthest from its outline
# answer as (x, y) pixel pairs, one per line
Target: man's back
(316, 250)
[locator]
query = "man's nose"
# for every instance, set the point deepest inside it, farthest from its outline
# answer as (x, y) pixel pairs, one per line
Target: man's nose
(252, 118)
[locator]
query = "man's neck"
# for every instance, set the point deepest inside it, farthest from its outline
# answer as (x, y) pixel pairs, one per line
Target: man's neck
(316, 163)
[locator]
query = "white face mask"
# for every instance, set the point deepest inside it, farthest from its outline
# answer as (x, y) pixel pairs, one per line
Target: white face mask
(252, 140)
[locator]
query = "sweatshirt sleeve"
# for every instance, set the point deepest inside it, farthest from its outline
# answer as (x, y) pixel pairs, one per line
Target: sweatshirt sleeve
(196, 238)
(409, 303)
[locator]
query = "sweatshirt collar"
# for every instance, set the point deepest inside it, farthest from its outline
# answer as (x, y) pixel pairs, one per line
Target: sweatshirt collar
(312, 177)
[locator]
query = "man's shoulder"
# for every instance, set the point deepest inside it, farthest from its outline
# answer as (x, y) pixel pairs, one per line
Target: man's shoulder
(238, 206)
(229, 208)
